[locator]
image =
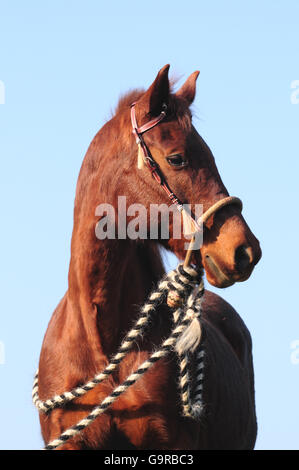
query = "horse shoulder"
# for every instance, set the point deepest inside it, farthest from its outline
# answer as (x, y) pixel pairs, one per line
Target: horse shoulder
(65, 362)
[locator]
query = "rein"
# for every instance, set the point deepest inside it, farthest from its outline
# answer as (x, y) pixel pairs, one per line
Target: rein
(182, 289)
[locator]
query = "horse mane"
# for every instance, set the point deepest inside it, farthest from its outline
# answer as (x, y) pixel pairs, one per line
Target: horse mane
(178, 108)
(127, 99)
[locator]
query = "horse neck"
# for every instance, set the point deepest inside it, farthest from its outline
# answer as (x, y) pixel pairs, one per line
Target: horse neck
(107, 278)
(108, 281)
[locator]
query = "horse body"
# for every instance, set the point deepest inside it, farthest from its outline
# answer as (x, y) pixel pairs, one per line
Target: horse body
(148, 414)
(109, 279)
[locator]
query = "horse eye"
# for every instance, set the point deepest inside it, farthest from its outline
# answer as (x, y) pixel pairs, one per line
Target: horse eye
(176, 160)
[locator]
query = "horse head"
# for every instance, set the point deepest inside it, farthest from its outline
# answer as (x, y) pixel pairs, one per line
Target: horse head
(229, 250)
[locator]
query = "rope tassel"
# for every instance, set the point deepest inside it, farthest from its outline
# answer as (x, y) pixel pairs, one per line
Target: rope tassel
(190, 338)
(140, 157)
(188, 223)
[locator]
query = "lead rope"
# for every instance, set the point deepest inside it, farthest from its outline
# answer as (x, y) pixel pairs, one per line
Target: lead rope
(187, 284)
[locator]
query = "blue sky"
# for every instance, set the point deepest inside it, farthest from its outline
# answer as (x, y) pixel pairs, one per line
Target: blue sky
(63, 66)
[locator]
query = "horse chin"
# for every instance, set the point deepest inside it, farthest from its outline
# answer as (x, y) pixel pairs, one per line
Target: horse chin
(215, 276)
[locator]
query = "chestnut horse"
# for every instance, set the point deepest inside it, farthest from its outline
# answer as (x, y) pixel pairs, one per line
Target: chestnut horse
(110, 279)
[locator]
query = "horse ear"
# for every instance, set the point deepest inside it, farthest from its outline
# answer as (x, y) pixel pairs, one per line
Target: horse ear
(187, 91)
(158, 92)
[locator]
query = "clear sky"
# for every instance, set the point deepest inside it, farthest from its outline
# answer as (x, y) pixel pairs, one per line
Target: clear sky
(63, 65)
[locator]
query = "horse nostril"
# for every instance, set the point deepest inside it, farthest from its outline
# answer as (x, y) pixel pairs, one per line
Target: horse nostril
(243, 258)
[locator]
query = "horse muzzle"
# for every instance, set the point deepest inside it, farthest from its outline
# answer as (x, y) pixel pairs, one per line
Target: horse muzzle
(221, 273)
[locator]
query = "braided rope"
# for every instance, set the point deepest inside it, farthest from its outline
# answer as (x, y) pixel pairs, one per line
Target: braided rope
(191, 407)
(184, 281)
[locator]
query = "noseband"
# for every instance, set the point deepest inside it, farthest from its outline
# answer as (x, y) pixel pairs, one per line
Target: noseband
(157, 174)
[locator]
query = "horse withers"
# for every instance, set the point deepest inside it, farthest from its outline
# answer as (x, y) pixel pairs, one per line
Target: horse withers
(109, 278)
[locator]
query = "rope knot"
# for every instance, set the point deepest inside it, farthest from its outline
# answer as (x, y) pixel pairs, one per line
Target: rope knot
(182, 281)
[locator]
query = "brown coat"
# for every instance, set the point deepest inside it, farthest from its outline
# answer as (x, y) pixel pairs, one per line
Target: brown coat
(109, 279)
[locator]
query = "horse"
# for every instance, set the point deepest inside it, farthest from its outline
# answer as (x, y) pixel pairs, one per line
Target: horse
(110, 278)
